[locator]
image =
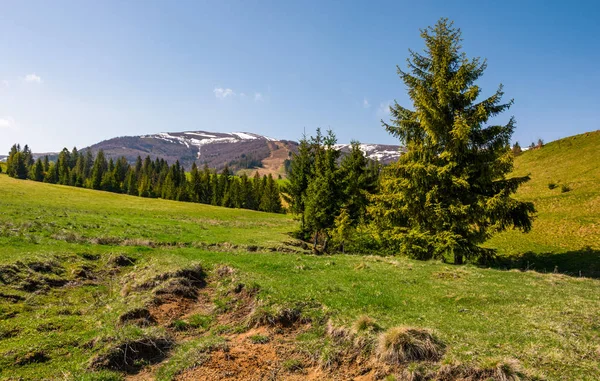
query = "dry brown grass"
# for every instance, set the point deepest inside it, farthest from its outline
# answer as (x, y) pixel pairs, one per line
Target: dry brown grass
(405, 344)
(365, 323)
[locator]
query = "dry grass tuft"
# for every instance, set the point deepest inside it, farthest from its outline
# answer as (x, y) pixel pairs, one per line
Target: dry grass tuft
(224, 271)
(405, 344)
(365, 323)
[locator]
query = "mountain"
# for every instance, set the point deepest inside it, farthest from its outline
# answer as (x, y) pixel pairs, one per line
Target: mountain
(238, 150)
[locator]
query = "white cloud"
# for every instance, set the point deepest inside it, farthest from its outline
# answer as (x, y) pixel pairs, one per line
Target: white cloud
(33, 78)
(223, 93)
(366, 103)
(258, 97)
(7, 122)
(243, 95)
(384, 109)
(5, 83)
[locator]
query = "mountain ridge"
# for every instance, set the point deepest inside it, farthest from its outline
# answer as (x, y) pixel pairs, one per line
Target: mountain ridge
(240, 150)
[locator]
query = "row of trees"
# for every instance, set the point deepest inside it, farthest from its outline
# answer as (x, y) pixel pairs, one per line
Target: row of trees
(147, 178)
(449, 192)
(329, 193)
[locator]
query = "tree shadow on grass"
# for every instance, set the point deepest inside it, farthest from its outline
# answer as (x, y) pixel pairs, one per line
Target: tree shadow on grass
(580, 263)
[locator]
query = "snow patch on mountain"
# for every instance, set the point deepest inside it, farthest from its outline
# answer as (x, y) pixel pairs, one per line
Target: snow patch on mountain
(374, 151)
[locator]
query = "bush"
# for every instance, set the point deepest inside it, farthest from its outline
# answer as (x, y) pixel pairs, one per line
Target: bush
(564, 188)
(552, 185)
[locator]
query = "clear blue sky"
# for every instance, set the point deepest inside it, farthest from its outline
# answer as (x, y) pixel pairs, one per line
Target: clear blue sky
(77, 72)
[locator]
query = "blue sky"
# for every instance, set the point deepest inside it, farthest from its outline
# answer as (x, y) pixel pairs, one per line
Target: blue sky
(77, 72)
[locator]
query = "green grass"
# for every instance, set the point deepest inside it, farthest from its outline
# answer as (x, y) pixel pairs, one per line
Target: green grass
(550, 323)
(566, 233)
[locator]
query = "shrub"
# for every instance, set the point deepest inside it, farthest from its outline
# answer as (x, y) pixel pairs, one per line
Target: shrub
(552, 185)
(564, 188)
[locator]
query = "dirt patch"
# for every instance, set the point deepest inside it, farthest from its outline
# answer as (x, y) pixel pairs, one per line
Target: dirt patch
(11, 297)
(46, 267)
(11, 274)
(32, 357)
(132, 356)
(138, 316)
(90, 256)
(84, 272)
(6, 333)
(122, 260)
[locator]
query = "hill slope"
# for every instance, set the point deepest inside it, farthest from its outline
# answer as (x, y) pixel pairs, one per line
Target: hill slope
(566, 232)
(90, 279)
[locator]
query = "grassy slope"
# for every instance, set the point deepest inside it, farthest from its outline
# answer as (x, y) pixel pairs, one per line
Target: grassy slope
(550, 323)
(567, 230)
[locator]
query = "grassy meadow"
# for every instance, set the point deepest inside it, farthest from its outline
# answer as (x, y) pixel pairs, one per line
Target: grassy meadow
(566, 232)
(75, 261)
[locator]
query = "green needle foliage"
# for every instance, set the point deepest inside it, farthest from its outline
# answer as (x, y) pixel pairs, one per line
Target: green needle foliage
(449, 192)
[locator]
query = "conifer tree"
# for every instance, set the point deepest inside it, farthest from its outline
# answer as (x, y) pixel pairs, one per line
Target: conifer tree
(323, 196)
(271, 199)
(299, 174)
(214, 189)
(46, 163)
(98, 170)
(516, 149)
(28, 156)
(51, 175)
(256, 190)
(37, 174)
(64, 158)
(195, 184)
(356, 182)
(206, 189)
(449, 192)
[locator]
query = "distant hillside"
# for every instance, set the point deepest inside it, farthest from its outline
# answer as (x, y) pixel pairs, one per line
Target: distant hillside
(568, 220)
(238, 150)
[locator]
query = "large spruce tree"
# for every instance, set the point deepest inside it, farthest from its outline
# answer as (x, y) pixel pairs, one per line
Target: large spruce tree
(449, 192)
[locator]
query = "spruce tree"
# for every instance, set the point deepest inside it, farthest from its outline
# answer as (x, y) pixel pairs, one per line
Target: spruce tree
(516, 149)
(64, 158)
(323, 195)
(449, 192)
(299, 174)
(271, 199)
(257, 190)
(37, 174)
(51, 175)
(195, 184)
(98, 170)
(357, 182)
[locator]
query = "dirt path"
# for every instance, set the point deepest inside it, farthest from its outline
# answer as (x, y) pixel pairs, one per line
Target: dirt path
(274, 163)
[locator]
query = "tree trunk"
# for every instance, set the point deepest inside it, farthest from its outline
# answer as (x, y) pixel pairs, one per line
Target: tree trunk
(458, 258)
(316, 240)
